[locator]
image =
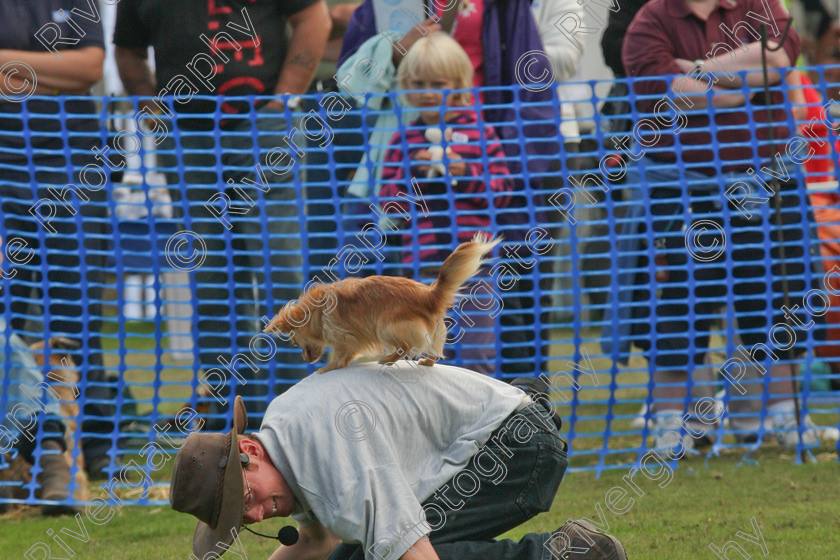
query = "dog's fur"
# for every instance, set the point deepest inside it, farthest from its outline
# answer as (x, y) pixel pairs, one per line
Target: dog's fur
(65, 382)
(378, 314)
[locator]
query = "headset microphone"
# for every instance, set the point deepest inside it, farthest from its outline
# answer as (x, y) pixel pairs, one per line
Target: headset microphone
(287, 536)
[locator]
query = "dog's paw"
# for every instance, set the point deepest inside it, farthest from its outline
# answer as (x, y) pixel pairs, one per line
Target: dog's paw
(428, 362)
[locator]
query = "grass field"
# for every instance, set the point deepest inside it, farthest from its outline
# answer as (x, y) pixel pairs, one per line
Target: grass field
(795, 507)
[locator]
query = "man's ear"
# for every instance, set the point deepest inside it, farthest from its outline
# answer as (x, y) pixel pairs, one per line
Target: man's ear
(252, 448)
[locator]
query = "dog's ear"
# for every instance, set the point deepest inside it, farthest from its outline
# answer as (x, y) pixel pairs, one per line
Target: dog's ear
(297, 315)
(294, 315)
(278, 324)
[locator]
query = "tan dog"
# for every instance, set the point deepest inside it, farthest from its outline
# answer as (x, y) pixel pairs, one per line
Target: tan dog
(369, 316)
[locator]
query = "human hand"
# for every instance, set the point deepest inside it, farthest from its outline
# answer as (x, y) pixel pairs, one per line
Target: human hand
(457, 166)
(686, 66)
(408, 40)
(422, 155)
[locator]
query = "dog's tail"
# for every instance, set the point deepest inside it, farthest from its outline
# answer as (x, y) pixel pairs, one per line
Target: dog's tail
(459, 267)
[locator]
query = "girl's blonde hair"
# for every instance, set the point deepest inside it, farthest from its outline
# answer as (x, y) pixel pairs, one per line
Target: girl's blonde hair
(439, 54)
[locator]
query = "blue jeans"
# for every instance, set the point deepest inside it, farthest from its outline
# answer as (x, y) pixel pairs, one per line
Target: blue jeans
(22, 403)
(534, 467)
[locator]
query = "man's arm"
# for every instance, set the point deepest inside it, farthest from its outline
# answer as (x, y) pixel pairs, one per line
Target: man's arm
(75, 72)
(134, 70)
(421, 550)
(11, 85)
(315, 543)
(340, 15)
(310, 29)
(724, 66)
(690, 94)
(136, 75)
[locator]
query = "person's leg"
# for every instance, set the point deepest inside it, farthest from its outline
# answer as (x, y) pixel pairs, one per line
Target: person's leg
(269, 259)
(85, 315)
(70, 264)
(688, 293)
(33, 416)
(669, 284)
(517, 320)
(761, 312)
(478, 344)
(511, 479)
(189, 164)
(321, 191)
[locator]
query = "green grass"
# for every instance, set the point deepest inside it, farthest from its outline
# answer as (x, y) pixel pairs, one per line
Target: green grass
(795, 508)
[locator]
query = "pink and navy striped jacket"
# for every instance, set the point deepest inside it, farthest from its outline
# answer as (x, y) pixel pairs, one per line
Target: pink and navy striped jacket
(470, 209)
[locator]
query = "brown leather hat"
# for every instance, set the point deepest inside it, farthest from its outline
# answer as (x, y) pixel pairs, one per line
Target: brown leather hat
(207, 482)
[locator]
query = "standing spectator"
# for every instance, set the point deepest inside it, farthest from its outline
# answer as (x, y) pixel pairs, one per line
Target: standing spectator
(433, 64)
(325, 186)
(63, 276)
(497, 36)
(667, 37)
(256, 58)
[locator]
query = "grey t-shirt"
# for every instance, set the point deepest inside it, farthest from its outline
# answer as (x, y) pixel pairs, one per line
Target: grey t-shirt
(362, 447)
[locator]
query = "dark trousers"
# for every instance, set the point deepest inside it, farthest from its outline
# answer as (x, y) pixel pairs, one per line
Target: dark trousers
(327, 173)
(254, 254)
(689, 295)
(535, 460)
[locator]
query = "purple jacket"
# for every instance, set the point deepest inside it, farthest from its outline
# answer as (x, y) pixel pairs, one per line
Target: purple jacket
(509, 32)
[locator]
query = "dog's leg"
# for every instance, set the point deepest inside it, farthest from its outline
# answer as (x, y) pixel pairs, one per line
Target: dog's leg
(393, 357)
(429, 362)
(339, 361)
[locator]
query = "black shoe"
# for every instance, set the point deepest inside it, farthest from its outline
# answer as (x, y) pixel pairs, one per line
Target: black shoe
(97, 469)
(704, 441)
(54, 480)
(579, 540)
(746, 438)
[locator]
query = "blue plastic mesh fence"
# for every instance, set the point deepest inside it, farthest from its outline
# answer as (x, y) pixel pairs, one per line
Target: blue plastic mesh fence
(149, 251)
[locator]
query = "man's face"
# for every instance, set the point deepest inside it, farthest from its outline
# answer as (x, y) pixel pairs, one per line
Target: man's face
(270, 496)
